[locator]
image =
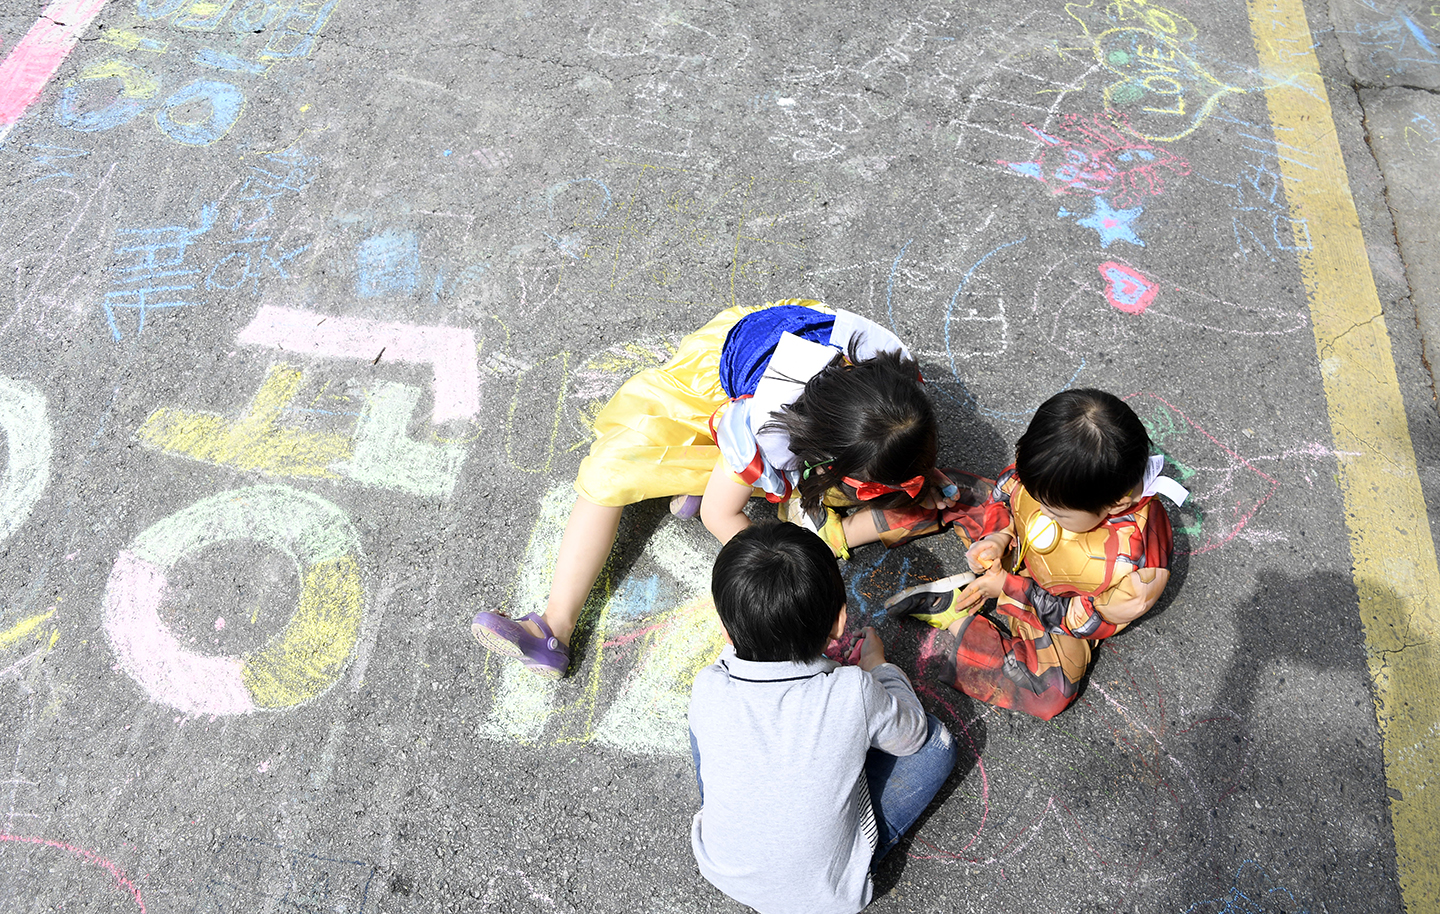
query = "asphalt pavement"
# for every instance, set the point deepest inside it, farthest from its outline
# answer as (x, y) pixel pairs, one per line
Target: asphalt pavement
(306, 308)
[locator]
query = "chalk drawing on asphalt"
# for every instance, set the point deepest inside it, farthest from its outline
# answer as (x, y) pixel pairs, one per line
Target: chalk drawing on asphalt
(632, 618)
(26, 424)
(295, 665)
(1163, 91)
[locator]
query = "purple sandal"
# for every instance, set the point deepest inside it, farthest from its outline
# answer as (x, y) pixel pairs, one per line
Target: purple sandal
(544, 656)
(685, 505)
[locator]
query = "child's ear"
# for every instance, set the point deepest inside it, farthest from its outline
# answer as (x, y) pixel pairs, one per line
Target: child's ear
(838, 629)
(1126, 503)
(726, 633)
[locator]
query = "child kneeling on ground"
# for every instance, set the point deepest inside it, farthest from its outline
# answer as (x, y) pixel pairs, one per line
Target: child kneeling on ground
(809, 771)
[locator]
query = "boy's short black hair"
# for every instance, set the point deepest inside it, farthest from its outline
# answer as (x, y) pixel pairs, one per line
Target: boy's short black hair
(778, 591)
(1085, 449)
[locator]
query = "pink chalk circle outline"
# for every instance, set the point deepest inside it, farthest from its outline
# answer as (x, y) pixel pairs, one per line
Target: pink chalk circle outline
(305, 527)
(122, 881)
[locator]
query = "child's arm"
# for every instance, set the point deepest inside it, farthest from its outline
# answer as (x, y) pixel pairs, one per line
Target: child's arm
(1102, 615)
(897, 720)
(722, 509)
(897, 526)
(1130, 595)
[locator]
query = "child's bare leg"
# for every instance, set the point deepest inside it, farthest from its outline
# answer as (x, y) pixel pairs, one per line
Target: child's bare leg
(589, 535)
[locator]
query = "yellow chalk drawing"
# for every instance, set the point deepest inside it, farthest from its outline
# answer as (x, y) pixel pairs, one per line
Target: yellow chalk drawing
(255, 441)
(1162, 94)
(135, 81)
(533, 387)
(1394, 555)
(296, 664)
(24, 629)
(316, 645)
(127, 40)
(202, 15)
(1157, 19)
(649, 713)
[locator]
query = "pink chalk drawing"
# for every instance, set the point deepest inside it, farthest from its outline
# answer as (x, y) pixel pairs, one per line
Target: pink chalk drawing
(1127, 288)
(1162, 751)
(450, 349)
(1228, 489)
(1088, 154)
(148, 650)
(31, 63)
(296, 664)
(122, 882)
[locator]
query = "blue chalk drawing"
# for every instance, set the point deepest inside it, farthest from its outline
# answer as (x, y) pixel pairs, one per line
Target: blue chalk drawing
(151, 270)
(1254, 892)
(220, 60)
(635, 598)
(157, 9)
(225, 104)
(1419, 35)
(1112, 224)
(247, 874)
(119, 111)
(388, 264)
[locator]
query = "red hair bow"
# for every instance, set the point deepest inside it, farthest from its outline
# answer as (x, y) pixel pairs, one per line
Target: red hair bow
(868, 490)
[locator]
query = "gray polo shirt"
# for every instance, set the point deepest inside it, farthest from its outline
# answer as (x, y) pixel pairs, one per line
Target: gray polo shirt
(787, 824)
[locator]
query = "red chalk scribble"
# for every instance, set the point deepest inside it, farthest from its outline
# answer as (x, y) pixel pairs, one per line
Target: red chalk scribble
(121, 880)
(1089, 154)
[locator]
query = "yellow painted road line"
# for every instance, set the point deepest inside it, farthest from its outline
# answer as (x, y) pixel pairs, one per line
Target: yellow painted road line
(1395, 567)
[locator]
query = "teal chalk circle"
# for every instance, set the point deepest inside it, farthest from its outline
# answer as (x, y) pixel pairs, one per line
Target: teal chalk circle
(27, 436)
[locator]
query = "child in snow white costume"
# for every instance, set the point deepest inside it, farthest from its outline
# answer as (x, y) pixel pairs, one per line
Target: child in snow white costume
(821, 411)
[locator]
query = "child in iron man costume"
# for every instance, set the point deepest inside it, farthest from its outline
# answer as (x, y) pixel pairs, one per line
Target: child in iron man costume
(1070, 543)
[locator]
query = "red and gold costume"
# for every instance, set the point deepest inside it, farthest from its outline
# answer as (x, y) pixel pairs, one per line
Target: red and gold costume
(1068, 592)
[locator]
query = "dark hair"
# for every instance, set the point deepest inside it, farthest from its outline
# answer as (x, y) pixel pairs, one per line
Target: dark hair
(778, 592)
(867, 419)
(1085, 449)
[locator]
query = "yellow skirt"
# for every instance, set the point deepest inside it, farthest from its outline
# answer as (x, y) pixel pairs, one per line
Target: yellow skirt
(653, 437)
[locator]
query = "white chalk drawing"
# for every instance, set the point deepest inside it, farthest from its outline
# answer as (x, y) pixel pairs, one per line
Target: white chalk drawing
(27, 436)
(295, 665)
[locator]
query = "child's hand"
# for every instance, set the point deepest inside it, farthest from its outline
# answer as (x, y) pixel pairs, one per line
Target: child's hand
(987, 586)
(986, 552)
(941, 493)
(845, 650)
(872, 650)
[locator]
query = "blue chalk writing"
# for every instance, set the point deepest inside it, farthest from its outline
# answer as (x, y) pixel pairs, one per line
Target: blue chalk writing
(225, 104)
(151, 270)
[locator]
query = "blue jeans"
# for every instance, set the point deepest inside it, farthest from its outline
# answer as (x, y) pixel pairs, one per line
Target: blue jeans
(901, 786)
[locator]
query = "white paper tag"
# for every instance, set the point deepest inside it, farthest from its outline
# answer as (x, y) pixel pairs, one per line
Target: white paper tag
(1155, 484)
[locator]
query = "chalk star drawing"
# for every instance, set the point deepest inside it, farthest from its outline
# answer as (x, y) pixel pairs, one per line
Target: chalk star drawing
(1112, 224)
